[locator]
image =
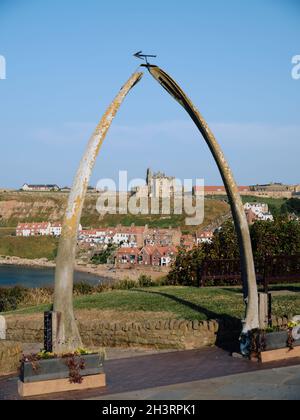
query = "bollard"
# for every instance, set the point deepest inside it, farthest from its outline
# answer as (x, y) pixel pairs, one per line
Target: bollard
(2, 328)
(263, 301)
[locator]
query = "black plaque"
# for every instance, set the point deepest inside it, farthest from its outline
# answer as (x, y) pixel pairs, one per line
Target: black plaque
(270, 309)
(48, 333)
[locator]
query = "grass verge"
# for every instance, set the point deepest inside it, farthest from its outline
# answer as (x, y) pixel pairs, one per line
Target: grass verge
(179, 302)
(30, 248)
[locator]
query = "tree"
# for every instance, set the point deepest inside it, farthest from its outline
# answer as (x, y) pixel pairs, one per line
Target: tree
(186, 269)
(278, 238)
(281, 237)
(291, 206)
(105, 255)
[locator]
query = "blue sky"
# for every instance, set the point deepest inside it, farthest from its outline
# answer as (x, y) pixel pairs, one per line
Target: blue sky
(67, 59)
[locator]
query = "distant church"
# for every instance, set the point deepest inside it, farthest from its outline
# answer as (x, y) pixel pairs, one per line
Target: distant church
(160, 185)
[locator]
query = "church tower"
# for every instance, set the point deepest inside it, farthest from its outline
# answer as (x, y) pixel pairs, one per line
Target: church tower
(149, 181)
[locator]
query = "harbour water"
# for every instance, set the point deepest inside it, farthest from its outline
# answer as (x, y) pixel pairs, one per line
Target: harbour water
(38, 277)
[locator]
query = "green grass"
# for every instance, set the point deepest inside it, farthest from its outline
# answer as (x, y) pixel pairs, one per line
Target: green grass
(179, 302)
(7, 231)
(275, 204)
(30, 248)
(272, 202)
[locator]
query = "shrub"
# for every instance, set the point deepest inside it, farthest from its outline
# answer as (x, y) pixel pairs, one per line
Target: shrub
(125, 284)
(35, 297)
(10, 298)
(145, 281)
(83, 288)
(104, 257)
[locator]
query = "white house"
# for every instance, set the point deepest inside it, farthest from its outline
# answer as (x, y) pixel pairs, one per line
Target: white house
(266, 217)
(33, 229)
(40, 187)
(55, 229)
(205, 237)
(96, 236)
(39, 229)
(125, 238)
(165, 261)
(257, 208)
(258, 211)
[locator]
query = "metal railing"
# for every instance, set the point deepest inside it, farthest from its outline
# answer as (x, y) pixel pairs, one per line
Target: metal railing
(270, 270)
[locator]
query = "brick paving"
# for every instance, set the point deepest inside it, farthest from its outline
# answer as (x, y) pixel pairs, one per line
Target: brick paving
(156, 371)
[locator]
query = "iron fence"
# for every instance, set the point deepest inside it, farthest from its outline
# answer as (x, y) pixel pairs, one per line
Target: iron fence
(269, 270)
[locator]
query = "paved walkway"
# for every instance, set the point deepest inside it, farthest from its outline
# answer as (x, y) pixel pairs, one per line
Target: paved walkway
(209, 373)
(274, 384)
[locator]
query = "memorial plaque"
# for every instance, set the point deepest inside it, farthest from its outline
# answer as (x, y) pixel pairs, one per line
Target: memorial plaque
(48, 332)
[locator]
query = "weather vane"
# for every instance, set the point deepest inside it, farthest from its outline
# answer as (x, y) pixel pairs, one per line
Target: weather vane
(144, 57)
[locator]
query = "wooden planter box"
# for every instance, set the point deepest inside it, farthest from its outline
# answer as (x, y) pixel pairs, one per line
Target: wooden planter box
(276, 347)
(50, 369)
(52, 376)
(278, 340)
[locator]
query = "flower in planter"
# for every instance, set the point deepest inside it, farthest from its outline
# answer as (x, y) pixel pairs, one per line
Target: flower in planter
(44, 355)
(295, 326)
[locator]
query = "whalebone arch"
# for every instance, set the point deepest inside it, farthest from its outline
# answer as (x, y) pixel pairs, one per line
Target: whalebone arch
(68, 337)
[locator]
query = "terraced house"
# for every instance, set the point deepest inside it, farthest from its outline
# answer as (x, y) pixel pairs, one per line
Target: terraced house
(40, 187)
(39, 229)
(157, 256)
(127, 256)
(33, 229)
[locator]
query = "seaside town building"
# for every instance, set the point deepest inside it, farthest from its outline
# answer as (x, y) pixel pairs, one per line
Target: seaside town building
(40, 188)
(258, 212)
(218, 190)
(154, 256)
(205, 237)
(276, 190)
(162, 237)
(102, 236)
(33, 229)
(146, 255)
(127, 256)
(131, 237)
(56, 229)
(188, 242)
(120, 236)
(39, 229)
(164, 256)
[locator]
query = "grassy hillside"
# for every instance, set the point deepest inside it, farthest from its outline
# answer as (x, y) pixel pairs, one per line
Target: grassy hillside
(272, 202)
(18, 207)
(6, 231)
(275, 204)
(31, 248)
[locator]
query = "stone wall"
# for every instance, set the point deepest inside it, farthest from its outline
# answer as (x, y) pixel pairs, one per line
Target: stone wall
(171, 334)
